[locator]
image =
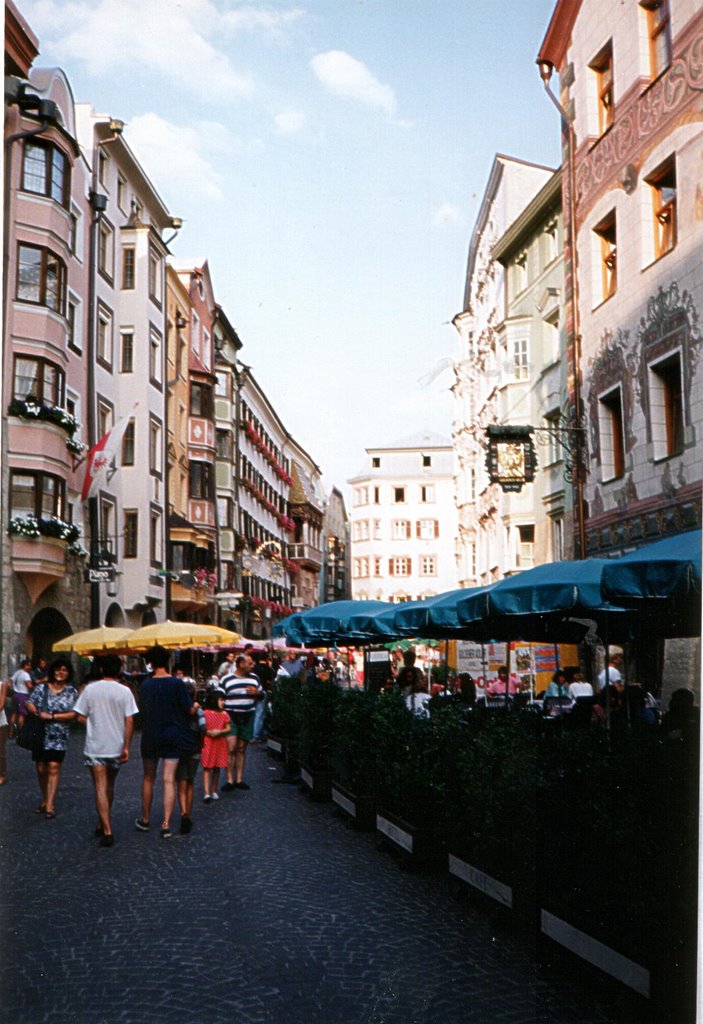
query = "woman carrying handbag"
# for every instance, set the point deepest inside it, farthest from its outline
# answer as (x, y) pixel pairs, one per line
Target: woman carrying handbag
(52, 702)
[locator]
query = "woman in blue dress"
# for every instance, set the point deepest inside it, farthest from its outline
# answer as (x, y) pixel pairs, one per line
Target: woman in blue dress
(53, 702)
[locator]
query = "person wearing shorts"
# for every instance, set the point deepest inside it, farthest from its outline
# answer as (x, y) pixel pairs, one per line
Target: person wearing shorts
(107, 708)
(166, 708)
(241, 690)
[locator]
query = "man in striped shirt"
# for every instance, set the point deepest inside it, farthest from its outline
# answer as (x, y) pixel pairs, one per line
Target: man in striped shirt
(242, 690)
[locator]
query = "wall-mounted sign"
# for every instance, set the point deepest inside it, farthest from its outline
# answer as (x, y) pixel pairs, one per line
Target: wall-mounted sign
(511, 459)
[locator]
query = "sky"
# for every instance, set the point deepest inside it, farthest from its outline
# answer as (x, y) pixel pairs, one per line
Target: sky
(328, 158)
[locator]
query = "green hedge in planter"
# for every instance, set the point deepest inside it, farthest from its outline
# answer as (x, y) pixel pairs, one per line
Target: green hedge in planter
(319, 699)
(414, 759)
(352, 754)
(286, 713)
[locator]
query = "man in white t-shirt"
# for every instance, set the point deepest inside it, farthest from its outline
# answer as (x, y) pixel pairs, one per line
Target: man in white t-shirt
(614, 675)
(22, 684)
(107, 707)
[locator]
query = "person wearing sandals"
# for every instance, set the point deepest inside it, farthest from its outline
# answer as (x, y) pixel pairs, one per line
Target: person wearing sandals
(53, 702)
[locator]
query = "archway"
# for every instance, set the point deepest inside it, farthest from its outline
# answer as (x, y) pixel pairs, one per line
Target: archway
(46, 628)
(149, 617)
(114, 616)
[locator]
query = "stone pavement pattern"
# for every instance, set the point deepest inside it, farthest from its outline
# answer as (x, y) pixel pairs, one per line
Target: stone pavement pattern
(270, 912)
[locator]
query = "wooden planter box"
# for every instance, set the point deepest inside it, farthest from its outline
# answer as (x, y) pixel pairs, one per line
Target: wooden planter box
(420, 846)
(360, 810)
(317, 783)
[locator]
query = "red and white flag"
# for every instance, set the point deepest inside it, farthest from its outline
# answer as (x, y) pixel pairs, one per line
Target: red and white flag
(103, 458)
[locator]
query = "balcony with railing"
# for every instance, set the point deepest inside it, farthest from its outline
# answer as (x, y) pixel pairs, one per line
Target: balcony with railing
(306, 553)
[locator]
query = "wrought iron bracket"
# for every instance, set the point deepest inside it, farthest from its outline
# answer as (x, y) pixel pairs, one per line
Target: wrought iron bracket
(572, 435)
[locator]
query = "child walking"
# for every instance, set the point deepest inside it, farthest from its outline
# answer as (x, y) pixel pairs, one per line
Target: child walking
(214, 754)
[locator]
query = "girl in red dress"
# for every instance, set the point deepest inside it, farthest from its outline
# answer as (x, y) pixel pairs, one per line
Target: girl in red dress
(214, 754)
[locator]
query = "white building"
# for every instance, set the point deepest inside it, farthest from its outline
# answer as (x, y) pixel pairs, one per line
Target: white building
(404, 520)
(489, 379)
(126, 355)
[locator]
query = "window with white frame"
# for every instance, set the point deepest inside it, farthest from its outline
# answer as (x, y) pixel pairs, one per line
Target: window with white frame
(361, 495)
(427, 529)
(38, 379)
(121, 193)
(74, 323)
(377, 495)
(427, 494)
(526, 547)
(520, 273)
(104, 416)
(195, 333)
(521, 369)
(666, 411)
(129, 444)
(662, 184)
(155, 275)
(552, 337)
(398, 495)
(106, 249)
(155, 537)
(126, 350)
(605, 280)
(428, 565)
(658, 25)
(104, 339)
(400, 529)
(155, 355)
(378, 566)
(154, 446)
(377, 533)
(610, 429)
(602, 84)
(557, 537)
(550, 242)
(401, 566)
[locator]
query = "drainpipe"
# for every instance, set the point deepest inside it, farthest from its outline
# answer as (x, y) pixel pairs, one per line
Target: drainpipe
(545, 71)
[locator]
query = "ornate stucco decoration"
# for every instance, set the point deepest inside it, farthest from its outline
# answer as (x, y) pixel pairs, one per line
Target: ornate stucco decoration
(606, 370)
(670, 324)
(641, 116)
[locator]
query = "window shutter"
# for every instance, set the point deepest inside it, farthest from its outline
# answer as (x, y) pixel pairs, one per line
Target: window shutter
(436, 527)
(418, 528)
(390, 567)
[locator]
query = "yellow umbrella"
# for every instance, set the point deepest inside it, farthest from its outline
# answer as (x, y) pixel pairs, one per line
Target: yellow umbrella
(93, 641)
(179, 634)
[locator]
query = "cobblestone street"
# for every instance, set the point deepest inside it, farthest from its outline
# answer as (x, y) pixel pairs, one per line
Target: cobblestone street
(270, 912)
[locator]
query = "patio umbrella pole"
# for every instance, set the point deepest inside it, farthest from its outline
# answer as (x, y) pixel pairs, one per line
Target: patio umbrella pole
(483, 666)
(446, 666)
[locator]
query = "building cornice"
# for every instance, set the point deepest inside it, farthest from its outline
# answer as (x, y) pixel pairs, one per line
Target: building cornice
(519, 231)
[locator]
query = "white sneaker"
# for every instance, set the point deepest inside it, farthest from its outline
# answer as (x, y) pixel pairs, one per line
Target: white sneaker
(215, 796)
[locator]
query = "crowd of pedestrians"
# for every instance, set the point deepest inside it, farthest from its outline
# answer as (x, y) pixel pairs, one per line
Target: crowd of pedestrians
(180, 729)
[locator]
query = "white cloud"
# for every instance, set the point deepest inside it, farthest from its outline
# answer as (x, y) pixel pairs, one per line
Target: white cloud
(172, 154)
(250, 19)
(447, 213)
(160, 36)
(344, 75)
(288, 122)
